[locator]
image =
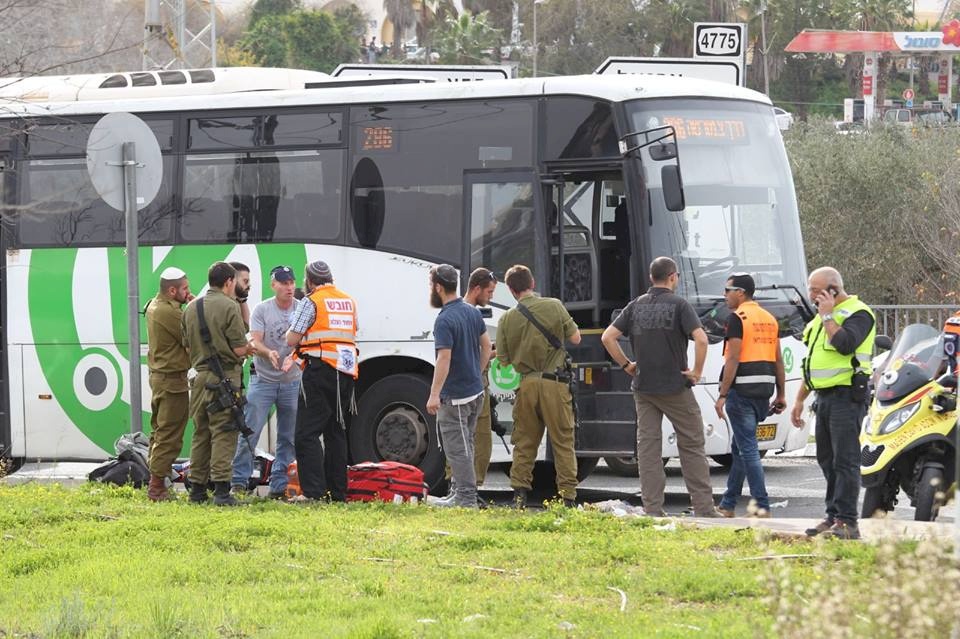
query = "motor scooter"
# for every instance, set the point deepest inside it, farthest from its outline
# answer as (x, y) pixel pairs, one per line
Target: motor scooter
(908, 440)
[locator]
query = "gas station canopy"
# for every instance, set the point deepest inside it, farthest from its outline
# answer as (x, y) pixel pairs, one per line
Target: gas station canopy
(944, 43)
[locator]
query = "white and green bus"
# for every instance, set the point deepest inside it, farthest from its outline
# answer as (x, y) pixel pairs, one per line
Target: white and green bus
(383, 181)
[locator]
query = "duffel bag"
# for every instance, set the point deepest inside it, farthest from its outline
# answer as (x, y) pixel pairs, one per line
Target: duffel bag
(385, 481)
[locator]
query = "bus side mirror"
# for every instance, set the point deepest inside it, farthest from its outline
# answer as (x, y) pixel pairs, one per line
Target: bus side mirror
(663, 151)
(672, 188)
(883, 342)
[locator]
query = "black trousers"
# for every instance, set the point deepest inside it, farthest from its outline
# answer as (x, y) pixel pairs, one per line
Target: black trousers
(323, 467)
(838, 450)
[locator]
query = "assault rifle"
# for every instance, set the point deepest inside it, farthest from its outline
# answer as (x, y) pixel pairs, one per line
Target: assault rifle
(495, 424)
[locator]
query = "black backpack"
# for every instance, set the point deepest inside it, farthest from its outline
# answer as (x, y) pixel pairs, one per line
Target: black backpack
(129, 466)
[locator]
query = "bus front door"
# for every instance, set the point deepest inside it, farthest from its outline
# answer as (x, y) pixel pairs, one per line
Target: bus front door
(590, 270)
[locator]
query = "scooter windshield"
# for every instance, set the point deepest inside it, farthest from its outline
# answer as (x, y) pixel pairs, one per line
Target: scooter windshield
(915, 359)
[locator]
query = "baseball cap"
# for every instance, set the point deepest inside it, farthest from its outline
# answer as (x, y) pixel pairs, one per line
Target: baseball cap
(282, 274)
(744, 281)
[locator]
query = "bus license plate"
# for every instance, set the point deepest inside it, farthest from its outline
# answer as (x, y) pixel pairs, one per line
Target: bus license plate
(766, 432)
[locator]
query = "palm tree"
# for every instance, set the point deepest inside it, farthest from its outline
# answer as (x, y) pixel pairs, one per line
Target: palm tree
(402, 16)
(882, 15)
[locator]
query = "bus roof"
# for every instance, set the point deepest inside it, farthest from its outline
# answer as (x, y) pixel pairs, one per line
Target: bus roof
(614, 88)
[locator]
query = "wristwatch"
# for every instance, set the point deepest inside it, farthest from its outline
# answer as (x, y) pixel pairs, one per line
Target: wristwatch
(826, 317)
(624, 367)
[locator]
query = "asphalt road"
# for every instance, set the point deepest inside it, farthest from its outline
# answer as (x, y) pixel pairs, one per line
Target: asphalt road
(795, 485)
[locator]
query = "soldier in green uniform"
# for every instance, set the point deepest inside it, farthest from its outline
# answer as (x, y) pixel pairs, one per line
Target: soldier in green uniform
(215, 433)
(543, 398)
(168, 362)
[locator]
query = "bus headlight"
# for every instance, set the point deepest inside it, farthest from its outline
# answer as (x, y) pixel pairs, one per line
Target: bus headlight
(898, 418)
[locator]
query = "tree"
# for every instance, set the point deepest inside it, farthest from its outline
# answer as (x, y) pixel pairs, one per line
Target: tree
(402, 16)
(576, 37)
(302, 39)
(467, 39)
(265, 8)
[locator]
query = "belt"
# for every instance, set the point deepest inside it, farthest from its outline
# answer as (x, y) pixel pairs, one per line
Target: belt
(563, 379)
(832, 389)
(177, 375)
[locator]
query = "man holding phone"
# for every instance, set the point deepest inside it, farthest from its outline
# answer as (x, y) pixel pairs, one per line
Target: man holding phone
(839, 343)
(752, 369)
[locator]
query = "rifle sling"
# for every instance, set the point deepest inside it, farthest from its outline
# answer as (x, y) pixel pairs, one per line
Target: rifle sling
(212, 359)
(551, 338)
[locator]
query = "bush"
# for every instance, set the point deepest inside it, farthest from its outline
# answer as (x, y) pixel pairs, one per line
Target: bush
(909, 591)
(882, 207)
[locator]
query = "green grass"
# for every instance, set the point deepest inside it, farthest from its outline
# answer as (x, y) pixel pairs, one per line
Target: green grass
(101, 562)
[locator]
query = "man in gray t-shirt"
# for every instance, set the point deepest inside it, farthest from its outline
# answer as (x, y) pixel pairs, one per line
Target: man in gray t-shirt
(660, 325)
(274, 381)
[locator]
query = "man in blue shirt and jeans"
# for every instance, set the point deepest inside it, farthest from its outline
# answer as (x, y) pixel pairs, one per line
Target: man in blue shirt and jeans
(456, 395)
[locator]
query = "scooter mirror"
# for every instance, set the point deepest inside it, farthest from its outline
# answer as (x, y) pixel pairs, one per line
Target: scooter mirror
(883, 342)
(948, 380)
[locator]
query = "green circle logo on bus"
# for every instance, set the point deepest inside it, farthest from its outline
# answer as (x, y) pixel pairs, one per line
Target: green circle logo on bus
(787, 360)
(504, 377)
(88, 380)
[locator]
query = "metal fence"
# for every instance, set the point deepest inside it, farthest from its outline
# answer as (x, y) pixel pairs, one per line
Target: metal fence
(892, 319)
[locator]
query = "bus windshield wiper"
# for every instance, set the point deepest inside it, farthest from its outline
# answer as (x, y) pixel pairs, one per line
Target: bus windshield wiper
(806, 312)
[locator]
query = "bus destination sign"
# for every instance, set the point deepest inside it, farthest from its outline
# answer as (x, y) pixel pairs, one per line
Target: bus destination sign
(377, 138)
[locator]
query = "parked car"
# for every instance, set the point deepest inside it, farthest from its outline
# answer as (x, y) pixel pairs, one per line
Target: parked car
(784, 118)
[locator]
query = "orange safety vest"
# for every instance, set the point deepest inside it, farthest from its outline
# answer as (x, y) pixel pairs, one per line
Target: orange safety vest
(333, 335)
(757, 371)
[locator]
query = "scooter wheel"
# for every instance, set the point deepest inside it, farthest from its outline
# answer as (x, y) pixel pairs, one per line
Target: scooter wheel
(930, 494)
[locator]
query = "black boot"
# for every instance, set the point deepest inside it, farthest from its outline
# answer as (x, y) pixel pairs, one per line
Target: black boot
(198, 492)
(222, 496)
(520, 499)
(569, 503)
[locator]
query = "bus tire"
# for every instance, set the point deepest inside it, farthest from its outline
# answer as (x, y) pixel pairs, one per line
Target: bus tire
(392, 424)
(726, 460)
(623, 466)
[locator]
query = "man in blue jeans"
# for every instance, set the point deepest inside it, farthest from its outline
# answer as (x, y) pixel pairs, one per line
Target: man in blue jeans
(752, 368)
(274, 381)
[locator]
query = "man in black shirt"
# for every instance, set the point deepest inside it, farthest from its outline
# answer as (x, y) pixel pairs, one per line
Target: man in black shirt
(659, 325)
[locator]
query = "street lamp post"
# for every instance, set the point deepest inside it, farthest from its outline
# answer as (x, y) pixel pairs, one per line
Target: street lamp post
(536, 46)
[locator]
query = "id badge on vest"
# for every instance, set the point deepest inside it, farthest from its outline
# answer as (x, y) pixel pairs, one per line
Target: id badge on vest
(346, 359)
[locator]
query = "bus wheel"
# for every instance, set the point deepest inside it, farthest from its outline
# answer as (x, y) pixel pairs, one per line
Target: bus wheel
(545, 475)
(623, 466)
(727, 460)
(392, 424)
(724, 460)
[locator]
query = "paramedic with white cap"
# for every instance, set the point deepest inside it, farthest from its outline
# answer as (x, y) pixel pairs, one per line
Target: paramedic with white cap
(168, 361)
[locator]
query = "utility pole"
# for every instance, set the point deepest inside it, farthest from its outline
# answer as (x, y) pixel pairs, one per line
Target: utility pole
(536, 45)
(179, 34)
(763, 47)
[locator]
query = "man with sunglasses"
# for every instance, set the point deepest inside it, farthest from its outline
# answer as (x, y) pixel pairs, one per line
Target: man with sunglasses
(752, 369)
(274, 382)
(660, 324)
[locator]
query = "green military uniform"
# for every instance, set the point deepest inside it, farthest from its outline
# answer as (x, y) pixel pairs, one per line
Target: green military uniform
(168, 362)
(483, 437)
(540, 401)
(215, 435)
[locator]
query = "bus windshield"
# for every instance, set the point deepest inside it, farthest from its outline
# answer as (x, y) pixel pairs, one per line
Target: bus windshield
(741, 212)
